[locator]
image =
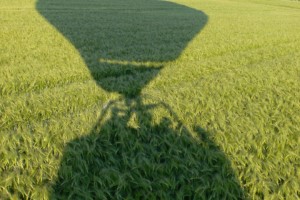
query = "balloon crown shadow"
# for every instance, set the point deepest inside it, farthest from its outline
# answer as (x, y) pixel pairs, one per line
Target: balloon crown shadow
(124, 43)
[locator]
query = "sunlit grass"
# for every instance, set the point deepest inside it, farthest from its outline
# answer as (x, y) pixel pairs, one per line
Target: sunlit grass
(229, 102)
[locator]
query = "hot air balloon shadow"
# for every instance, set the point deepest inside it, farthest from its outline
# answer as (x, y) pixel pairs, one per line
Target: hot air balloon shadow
(125, 44)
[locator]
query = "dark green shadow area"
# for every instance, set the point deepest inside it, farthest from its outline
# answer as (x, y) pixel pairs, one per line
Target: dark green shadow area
(125, 43)
(109, 33)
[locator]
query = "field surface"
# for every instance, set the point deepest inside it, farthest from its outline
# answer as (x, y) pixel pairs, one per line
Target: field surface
(149, 99)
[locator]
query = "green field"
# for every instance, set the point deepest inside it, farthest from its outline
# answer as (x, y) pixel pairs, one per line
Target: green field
(149, 99)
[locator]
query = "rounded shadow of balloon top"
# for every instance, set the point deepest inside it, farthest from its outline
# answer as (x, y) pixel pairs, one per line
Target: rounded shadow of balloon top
(125, 44)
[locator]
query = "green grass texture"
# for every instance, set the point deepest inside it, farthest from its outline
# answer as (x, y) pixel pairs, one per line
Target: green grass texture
(149, 99)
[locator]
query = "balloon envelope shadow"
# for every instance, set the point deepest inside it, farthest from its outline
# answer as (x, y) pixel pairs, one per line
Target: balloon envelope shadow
(125, 43)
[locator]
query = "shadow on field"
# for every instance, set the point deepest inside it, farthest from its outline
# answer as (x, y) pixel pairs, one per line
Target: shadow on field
(139, 149)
